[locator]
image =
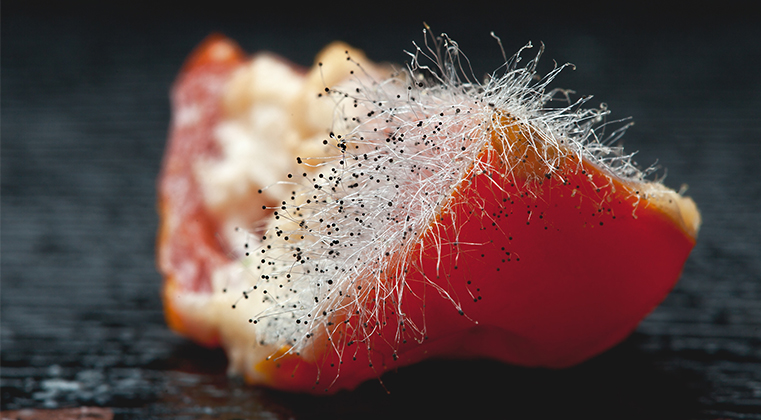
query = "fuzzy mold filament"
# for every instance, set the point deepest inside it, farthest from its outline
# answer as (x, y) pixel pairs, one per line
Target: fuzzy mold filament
(339, 248)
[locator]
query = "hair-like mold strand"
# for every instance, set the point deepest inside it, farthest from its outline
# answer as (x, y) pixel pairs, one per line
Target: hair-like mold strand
(344, 262)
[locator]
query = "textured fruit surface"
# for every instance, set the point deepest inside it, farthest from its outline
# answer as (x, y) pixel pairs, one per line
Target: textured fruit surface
(435, 218)
(188, 250)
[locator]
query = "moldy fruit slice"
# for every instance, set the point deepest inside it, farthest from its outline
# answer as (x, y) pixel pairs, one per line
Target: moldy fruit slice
(327, 225)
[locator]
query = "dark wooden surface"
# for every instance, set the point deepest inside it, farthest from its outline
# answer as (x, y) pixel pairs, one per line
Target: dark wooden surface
(84, 121)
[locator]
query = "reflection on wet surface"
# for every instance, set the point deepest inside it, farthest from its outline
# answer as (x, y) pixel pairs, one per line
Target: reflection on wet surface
(191, 384)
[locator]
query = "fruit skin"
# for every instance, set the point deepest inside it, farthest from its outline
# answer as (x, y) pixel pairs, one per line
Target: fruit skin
(581, 272)
(588, 258)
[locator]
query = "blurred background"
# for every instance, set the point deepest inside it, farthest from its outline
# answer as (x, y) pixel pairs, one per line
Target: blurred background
(85, 112)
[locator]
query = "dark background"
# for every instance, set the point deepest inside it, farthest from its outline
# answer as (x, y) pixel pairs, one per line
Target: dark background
(84, 121)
